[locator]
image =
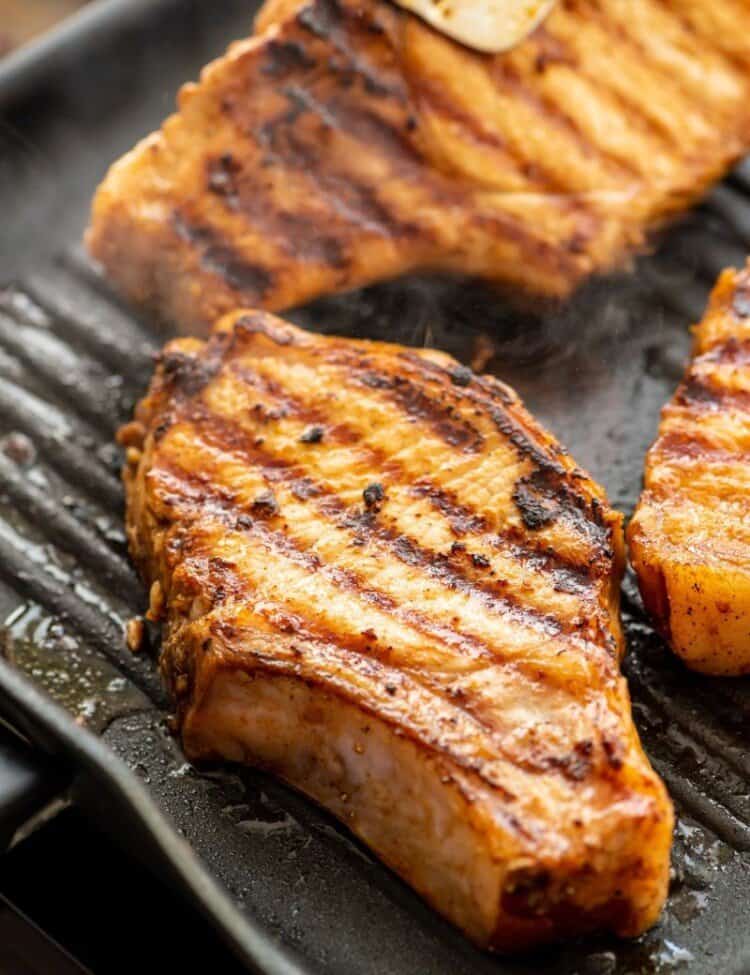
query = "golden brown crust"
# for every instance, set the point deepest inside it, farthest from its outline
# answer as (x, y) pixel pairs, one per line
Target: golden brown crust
(690, 535)
(349, 143)
(377, 570)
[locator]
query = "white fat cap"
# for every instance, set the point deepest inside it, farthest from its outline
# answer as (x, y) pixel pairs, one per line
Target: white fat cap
(486, 25)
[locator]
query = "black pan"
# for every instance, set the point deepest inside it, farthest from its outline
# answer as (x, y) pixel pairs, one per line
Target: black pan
(284, 884)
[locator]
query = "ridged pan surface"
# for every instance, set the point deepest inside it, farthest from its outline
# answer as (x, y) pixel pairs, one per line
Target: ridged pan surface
(72, 362)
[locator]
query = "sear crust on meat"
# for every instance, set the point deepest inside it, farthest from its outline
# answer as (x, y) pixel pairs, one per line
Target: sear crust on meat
(690, 536)
(382, 580)
(348, 142)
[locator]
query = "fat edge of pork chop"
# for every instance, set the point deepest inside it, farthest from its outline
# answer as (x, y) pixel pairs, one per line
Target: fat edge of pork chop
(349, 143)
(381, 580)
(690, 535)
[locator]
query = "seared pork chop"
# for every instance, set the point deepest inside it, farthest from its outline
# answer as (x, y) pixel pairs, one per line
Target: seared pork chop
(349, 142)
(382, 580)
(690, 535)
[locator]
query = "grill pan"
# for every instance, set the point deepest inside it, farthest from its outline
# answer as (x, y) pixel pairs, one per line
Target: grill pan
(287, 887)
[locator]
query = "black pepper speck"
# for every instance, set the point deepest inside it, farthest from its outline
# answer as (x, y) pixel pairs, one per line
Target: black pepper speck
(373, 494)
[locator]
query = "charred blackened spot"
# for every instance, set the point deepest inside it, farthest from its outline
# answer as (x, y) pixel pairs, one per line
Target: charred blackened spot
(461, 376)
(219, 258)
(480, 561)
(532, 497)
(185, 373)
(265, 505)
(312, 434)
(373, 495)
(283, 57)
(243, 522)
(577, 765)
(221, 178)
(741, 300)
(543, 496)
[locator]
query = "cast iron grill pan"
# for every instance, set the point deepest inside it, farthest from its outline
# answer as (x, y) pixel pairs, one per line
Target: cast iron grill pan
(72, 362)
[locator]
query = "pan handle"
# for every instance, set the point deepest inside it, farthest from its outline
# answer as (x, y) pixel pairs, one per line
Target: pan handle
(28, 782)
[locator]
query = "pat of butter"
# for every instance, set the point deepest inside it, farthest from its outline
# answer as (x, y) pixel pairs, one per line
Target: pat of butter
(487, 25)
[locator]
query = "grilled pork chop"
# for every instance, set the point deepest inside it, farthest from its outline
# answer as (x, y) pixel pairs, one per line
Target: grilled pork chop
(690, 536)
(349, 142)
(383, 581)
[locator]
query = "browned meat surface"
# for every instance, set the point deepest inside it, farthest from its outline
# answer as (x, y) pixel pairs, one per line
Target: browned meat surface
(349, 142)
(382, 580)
(690, 536)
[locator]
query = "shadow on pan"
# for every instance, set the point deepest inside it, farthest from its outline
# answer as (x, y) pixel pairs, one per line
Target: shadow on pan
(289, 889)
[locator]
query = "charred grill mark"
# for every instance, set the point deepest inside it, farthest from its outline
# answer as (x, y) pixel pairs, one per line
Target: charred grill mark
(298, 234)
(439, 415)
(462, 520)
(285, 57)
(511, 429)
(439, 567)
(331, 23)
(486, 395)
(218, 257)
(428, 97)
(351, 201)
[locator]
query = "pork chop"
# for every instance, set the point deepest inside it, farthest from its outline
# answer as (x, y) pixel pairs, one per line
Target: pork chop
(690, 536)
(383, 581)
(348, 142)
